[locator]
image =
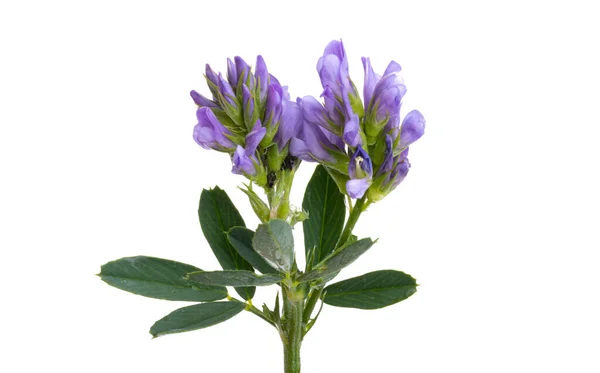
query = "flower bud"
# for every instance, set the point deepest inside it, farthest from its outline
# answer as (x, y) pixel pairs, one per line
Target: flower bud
(209, 133)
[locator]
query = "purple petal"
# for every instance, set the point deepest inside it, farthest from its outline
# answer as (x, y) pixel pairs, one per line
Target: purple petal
(413, 127)
(232, 76)
(329, 72)
(273, 80)
(388, 157)
(356, 188)
(211, 75)
(291, 120)
(226, 91)
(274, 106)
(393, 68)
(209, 132)
(242, 163)
(299, 149)
(201, 100)
(371, 80)
(399, 173)
(360, 165)
(262, 76)
(248, 101)
(351, 131)
(242, 68)
(332, 107)
(254, 137)
(314, 113)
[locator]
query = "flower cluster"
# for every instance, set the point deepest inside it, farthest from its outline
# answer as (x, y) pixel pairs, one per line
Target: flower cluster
(250, 117)
(364, 147)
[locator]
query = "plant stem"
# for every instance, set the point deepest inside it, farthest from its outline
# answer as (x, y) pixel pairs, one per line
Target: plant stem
(254, 310)
(292, 328)
(352, 219)
(311, 303)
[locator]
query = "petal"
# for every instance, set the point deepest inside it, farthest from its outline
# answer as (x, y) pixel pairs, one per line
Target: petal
(393, 68)
(352, 132)
(356, 188)
(232, 76)
(254, 137)
(413, 127)
(388, 157)
(201, 100)
(262, 76)
(242, 163)
(329, 72)
(291, 119)
(371, 80)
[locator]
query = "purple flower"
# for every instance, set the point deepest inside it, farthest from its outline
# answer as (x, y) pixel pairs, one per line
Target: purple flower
(200, 100)
(274, 105)
(360, 170)
(243, 72)
(352, 125)
(244, 159)
(388, 157)
(333, 68)
(262, 77)
(291, 120)
(413, 127)
(209, 133)
(248, 108)
(227, 92)
(232, 76)
(399, 172)
(312, 142)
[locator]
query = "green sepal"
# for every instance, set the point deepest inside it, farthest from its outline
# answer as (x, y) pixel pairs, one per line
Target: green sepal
(259, 207)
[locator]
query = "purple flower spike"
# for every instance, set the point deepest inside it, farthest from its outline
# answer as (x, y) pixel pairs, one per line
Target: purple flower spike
(262, 76)
(242, 163)
(413, 127)
(201, 100)
(360, 170)
(209, 133)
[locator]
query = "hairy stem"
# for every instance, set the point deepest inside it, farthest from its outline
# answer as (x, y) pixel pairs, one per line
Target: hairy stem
(292, 328)
(352, 219)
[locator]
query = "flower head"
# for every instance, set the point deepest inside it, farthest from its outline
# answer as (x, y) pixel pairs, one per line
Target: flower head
(249, 115)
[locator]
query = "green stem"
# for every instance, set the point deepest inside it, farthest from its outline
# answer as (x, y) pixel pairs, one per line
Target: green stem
(352, 219)
(292, 328)
(311, 303)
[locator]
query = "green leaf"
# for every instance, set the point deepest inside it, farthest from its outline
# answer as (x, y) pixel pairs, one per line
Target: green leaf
(196, 317)
(241, 240)
(158, 278)
(371, 291)
(274, 241)
(338, 260)
(234, 278)
(217, 216)
(326, 210)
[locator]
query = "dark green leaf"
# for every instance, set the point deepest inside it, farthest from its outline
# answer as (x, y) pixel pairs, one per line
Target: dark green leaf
(241, 240)
(158, 278)
(326, 210)
(217, 216)
(370, 291)
(338, 260)
(274, 241)
(196, 317)
(233, 278)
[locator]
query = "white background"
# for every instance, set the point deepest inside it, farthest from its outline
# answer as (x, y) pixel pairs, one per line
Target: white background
(498, 219)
